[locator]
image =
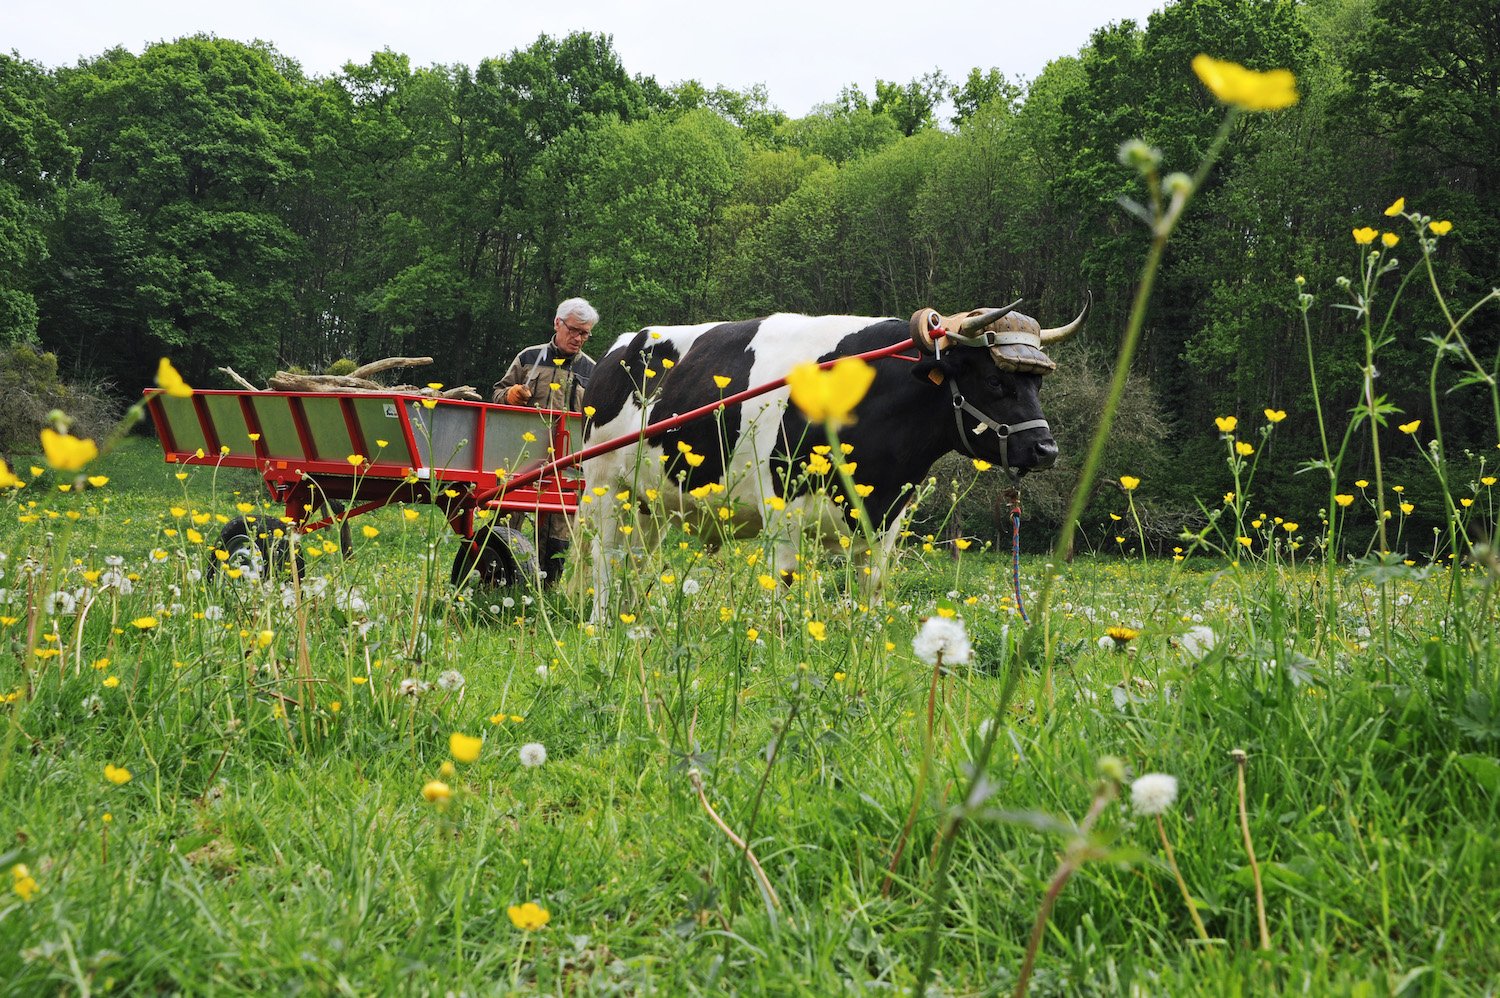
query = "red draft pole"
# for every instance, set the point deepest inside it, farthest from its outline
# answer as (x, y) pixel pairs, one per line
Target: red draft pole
(671, 423)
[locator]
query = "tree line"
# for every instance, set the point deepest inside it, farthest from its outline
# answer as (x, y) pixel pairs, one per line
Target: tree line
(210, 201)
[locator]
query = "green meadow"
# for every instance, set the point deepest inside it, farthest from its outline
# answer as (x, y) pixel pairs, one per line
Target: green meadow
(280, 828)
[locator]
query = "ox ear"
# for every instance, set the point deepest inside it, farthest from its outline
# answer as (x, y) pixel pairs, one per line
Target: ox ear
(933, 370)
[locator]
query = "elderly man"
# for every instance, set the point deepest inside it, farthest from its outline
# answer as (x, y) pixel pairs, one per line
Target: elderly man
(553, 375)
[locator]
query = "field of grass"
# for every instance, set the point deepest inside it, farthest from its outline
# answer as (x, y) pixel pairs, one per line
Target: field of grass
(297, 815)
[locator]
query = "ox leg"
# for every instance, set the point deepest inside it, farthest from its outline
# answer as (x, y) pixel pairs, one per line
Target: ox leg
(880, 560)
(605, 546)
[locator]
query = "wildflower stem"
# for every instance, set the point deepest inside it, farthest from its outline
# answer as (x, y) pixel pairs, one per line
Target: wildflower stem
(949, 835)
(1192, 906)
(1072, 859)
(921, 784)
(773, 903)
(1240, 761)
(1161, 232)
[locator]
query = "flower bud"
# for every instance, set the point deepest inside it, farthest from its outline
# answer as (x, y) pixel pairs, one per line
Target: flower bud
(1138, 154)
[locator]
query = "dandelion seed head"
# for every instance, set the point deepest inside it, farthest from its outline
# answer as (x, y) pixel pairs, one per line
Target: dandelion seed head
(1153, 794)
(943, 636)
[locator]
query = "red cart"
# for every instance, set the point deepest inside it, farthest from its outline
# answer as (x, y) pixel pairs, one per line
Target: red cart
(328, 457)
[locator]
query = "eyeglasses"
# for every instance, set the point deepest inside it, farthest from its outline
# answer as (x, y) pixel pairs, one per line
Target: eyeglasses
(582, 334)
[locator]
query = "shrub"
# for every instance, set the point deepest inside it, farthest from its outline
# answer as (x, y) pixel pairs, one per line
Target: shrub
(30, 390)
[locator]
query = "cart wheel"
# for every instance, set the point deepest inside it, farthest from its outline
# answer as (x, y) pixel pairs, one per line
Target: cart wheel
(346, 536)
(249, 551)
(505, 558)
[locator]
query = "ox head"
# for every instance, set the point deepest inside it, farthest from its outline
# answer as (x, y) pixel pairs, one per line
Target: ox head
(992, 361)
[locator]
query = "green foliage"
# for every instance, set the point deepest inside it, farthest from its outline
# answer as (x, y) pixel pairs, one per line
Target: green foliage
(655, 191)
(34, 158)
(207, 200)
(913, 105)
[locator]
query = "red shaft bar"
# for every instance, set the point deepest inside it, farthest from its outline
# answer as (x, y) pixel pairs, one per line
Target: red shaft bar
(671, 423)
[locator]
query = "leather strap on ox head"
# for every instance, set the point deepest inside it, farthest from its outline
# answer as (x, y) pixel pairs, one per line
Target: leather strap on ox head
(1003, 431)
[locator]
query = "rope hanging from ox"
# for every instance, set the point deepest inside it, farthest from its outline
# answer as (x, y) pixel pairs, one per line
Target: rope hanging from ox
(1013, 497)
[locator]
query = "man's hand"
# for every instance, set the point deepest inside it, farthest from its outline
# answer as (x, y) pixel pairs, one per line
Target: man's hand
(517, 394)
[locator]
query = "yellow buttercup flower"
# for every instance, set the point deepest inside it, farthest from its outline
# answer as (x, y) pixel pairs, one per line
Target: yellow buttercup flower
(1389, 239)
(355, 459)
(7, 479)
(830, 396)
(22, 882)
(1396, 208)
(1226, 424)
(1365, 236)
(1440, 228)
(981, 465)
(118, 775)
(818, 630)
(1243, 449)
(1275, 415)
(169, 381)
(1129, 483)
(437, 792)
(1411, 427)
(1407, 507)
(143, 623)
(370, 532)
(1246, 89)
(1343, 499)
(721, 381)
(66, 452)
(529, 916)
(464, 748)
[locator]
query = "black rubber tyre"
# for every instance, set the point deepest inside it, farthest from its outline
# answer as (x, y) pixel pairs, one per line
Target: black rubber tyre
(251, 552)
(506, 558)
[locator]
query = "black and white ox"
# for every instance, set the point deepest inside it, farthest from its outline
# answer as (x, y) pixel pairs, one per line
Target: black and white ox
(972, 385)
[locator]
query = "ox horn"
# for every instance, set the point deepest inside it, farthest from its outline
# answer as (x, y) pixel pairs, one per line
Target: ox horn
(1051, 337)
(975, 323)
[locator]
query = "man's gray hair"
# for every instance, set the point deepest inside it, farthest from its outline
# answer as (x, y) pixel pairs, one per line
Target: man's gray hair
(579, 309)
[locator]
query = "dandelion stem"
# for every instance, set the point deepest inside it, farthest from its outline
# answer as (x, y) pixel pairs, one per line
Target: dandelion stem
(773, 903)
(1072, 859)
(921, 785)
(1192, 906)
(1240, 760)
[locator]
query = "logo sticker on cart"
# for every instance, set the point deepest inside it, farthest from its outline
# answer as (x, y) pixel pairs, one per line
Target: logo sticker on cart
(390, 410)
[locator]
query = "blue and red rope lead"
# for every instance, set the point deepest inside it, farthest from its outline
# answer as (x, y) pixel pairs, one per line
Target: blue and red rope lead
(1015, 551)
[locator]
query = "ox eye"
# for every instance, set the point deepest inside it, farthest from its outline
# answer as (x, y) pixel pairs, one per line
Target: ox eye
(993, 381)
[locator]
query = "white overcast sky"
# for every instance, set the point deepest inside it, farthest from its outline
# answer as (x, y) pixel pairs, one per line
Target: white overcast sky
(804, 52)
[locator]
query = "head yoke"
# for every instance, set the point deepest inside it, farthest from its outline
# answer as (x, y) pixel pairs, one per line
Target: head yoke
(1016, 342)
